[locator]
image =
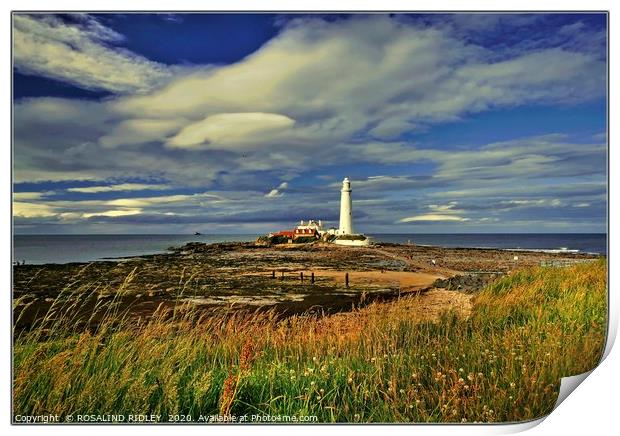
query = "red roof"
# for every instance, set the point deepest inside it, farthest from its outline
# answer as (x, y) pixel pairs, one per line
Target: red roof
(288, 233)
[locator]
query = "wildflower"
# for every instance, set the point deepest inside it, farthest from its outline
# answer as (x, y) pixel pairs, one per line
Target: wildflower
(385, 356)
(461, 381)
(322, 391)
(414, 375)
(372, 359)
(312, 383)
(402, 391)
(463, 419)
(314, 359)
(350, 380)
(480, 374)
(438, 373)
(510, 397)
(512, 385)
(466, 387)
(461, 370)
(318, 397)
(454, 411)
(306, 373)
(356, 416)
(470, 376)
(417, 401)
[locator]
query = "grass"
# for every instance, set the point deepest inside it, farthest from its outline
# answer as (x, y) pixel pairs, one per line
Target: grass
(379, 364)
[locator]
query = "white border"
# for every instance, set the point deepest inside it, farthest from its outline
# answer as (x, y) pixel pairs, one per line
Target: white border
(591, 410)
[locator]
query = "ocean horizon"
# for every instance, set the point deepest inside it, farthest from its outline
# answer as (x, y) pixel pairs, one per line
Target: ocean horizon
(41, 249)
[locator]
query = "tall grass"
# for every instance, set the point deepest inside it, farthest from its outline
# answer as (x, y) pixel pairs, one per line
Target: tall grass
(381, 364)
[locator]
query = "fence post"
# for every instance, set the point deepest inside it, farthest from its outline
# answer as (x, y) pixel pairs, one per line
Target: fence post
(301, 276)
(312, 278)
(346, 280)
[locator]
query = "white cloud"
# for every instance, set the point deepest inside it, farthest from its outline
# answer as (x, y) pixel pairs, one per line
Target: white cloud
(277, 192)
(119, 187)
(273, 193)
(231, 128)
(113, 213)
(432, 217)
(339, 79)
(25, 196)
(450, 207)
(32, 210)
(139, 131)
(553, 202)
(81, 53)
(164, 200)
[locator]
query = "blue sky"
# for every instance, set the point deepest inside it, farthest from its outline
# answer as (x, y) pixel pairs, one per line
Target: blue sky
(246, 123)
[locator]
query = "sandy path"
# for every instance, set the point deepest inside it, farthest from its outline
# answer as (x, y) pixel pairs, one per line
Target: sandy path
(405, 280)
(422, 307)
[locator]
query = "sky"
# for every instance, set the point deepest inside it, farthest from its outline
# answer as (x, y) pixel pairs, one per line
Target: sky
(247, 123)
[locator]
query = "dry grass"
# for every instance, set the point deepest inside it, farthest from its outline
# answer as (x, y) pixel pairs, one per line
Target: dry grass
(390, 364)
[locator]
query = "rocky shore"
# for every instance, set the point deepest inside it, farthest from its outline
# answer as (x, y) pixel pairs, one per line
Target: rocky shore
(305, 278)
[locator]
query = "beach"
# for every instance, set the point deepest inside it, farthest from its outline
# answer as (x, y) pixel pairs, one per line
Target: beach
(288, 279)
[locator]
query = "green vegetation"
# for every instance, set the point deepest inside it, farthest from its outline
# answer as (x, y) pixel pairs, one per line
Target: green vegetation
(352, 237)
(278, 240)
(503, 363)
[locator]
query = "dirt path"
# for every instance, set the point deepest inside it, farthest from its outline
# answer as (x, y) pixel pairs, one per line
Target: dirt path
(422, 307)
(404, 280)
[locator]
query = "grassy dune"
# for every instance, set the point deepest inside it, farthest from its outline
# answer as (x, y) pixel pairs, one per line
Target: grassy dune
(380, 364)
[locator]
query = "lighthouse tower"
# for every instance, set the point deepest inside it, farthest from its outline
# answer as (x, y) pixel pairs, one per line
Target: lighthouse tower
(346, 222)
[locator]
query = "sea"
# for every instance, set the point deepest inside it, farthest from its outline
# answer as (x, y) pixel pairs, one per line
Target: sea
(41, 249)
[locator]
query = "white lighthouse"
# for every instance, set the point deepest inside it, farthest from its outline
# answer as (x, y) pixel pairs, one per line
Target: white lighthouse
(344, 234)
(346, 221)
